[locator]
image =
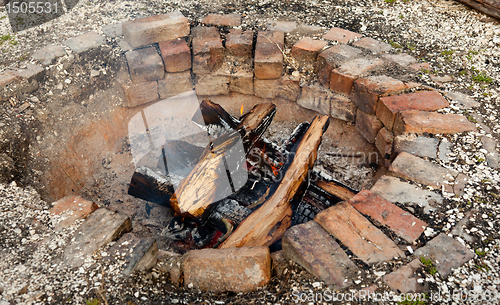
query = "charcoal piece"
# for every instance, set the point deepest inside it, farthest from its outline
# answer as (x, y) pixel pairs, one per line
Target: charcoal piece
(151, 186)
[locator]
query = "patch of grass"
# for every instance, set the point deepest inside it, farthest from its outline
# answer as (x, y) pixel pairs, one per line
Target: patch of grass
(411, 46)
(481, 252)
(414, 302)
(4, 38)
(447, 52)
(3, 17)
(479, 159)
(93, 302)
(483, 268)
(463, 72)
(13, 42)
(482, 77)
(395, 44)
(390, 1)
(428, 265)
(401, 16)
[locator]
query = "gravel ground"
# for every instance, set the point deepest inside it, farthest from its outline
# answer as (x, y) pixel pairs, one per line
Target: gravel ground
(454, 39)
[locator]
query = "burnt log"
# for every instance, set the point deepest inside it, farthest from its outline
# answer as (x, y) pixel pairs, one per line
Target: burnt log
(264, 226)
(489, 7)
(151, 186)
(336, 189)
(220, 171)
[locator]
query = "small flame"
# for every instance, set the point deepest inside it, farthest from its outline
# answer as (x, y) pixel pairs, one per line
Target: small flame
(242, 109)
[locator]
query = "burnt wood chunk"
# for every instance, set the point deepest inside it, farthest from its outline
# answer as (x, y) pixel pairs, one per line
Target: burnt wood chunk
(489, 7)
(338, 190)
(214, 114)
(258, 228)
(149, 185)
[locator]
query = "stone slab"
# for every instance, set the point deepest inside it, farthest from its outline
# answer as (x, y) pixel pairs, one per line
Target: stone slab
(100, 228)
(70, 209)
(154, 29)
(233, 269)
(145, 65)
(222, 19)
(30, 72)
(405, 279)
(282, 26)
(139, 254)
(48, 54)
(332, 58)
(341, 35)
(368, 125)
(355, 232)
(84, 42)
(373, 45)
(342, 79)
(492, 155)
(463, 101)
(176, 55)
(367, 90)
(401, 222)
(174, 84)
(395, 190)
(401, 59)
(416, 145)
(268, 55)
(310, 246)
(420, 122)
(389, 106)
(446, 253)
(113, 30)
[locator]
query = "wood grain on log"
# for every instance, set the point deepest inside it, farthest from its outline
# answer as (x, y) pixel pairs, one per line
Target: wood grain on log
(337, 190)
(489, 7)
(256, 229)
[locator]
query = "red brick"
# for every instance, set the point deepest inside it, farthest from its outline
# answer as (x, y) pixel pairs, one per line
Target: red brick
(389, 106)
(142, 93)
(72, 208)
(240, 74)
(342, 78)
(373, 45)
(401, 59)
(404, 224)
(176, 55)
(368, 125)
(332, 58)
(341, 35)
(154, 29)
(421, 66)
(233, 269)
(307, 49)
(268, 55)
(367, 91)
(419, 122)
(145, 65)
(383, 142)
(316, 251)
(6, 79)
(208, 52)
(174, 84)
(356, 233)
(220, 19)
(239, 43)
(405, 279)
(322, 100)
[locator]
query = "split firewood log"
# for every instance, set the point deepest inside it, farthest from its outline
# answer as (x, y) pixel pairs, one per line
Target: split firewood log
(489, 7)
(258, 229)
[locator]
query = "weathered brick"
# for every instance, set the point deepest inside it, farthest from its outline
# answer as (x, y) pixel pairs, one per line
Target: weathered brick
(307, 49)
(222, 19)
(368, 125)
(419, 122)
(100, 228)
(316, 251)
(421, 66)
(384, 141)
(268, 55)
(395, 190)
(316, 98)
(422, 171)
(171, 263)
(208, 52)
(145, 65)
(341, 35)
(154, 29)
(405, 279)
(283, 26)
(355, 232)
(233, 269)
(373, 45)
(138, 94)
(239, 43)
(461, 100)
(30, 72)
(71, 209)
(342, 78)
(137, 253)
(367, 91)
(174, 84)
(332, 58)
(404, 224)
(113, 30)
(446, 253)
(212, 84)
(492, 155)
(416, 145)
(342, 108)
(240, 73)
(401, 59)
(84, 42)
(286, 87)
(48, 54)
(389, 106)
(176, 55)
